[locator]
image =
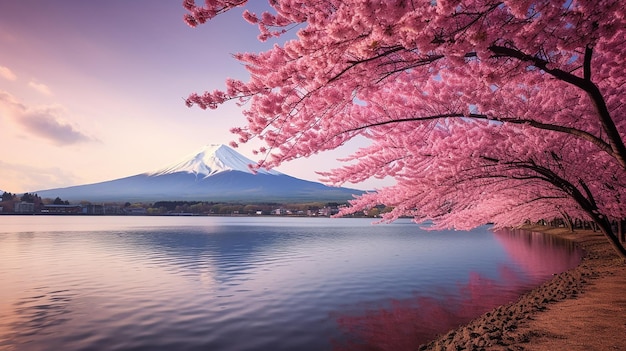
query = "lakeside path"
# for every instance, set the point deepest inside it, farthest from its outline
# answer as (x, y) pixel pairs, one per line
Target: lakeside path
(581, 309)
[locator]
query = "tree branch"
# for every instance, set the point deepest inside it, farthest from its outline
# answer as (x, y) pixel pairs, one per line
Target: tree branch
(587, 63)
(588, 192)
(601, 144)
(354, 63)
(615, 139)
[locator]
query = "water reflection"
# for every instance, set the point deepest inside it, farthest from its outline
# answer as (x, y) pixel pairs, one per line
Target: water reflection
(406, 324)
(538, 254)
(211, 283)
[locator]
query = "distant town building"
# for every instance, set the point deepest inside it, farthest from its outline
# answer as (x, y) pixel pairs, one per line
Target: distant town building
(62, 209)
(280, 211)
(326, 211)
(24, 207)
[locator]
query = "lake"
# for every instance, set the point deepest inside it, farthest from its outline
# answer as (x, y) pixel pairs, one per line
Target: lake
(254, 283)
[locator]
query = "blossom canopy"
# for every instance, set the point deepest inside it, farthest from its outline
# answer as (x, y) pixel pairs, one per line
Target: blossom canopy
(482, 111)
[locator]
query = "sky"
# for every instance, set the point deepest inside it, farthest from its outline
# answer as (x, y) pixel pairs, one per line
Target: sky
(92, 91)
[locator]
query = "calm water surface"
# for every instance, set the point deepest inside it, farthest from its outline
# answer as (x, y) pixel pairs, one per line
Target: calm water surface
(243, 283)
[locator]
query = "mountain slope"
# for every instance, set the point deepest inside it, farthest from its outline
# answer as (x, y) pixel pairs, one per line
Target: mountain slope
(215, 173)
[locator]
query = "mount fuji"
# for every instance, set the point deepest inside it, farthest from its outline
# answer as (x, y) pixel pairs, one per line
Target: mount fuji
(214, 173)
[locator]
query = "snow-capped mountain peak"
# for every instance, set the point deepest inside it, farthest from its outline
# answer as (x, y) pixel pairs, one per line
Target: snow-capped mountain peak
(210, 160)
(215, 173)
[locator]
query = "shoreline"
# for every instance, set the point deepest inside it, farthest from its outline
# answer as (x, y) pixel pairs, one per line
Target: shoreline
(583, 308)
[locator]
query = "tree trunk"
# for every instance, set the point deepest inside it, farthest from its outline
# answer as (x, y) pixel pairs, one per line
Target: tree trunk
(605, 228)
(567, 220)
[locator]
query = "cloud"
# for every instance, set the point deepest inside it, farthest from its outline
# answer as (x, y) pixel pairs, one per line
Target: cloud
(43, 121)
(42, 88)
(6, 73)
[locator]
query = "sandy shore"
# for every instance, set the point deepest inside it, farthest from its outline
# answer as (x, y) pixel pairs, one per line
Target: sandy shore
(581, 309)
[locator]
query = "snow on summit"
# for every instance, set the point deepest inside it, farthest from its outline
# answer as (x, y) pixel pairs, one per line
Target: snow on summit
(210, 160)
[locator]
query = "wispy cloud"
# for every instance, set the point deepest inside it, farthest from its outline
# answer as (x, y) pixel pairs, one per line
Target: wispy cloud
(18, 178)
(6, 73)
(43, 121)
(40, 87)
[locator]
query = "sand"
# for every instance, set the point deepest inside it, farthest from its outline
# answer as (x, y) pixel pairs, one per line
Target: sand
(581, 309)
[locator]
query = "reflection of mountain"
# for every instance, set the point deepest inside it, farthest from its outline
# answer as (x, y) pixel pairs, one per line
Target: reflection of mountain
(215, 173)
(226, 252)
(406, 324)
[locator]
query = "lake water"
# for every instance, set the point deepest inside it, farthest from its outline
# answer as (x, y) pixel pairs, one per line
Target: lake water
(247, 283)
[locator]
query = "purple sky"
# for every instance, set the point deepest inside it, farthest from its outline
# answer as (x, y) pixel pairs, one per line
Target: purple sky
(94, 90)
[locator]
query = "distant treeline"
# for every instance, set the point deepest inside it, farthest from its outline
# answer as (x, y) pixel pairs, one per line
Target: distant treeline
(32, 203)
(208, 207)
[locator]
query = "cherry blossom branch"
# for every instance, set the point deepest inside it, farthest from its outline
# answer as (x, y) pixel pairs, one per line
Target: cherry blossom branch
(585, 83)
(354, 63)
(543, 173)
(586, 203)
(587, 63)
(601, 144)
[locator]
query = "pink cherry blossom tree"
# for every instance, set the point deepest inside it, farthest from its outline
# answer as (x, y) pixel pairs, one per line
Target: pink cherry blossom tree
(483, 111)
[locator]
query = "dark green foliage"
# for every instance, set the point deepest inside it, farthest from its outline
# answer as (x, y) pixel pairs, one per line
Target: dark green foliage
(28, 197)
(58, 201)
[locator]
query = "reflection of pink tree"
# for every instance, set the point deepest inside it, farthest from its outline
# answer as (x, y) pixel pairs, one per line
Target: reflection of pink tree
(482, 111)
(406, 324)
(400, 327)
(536, 253)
